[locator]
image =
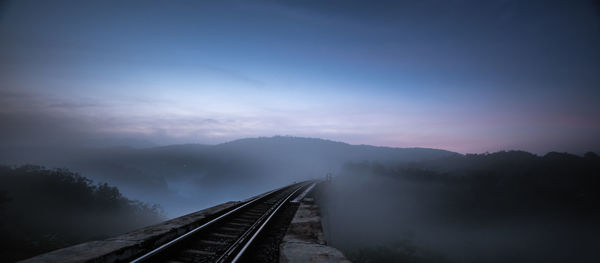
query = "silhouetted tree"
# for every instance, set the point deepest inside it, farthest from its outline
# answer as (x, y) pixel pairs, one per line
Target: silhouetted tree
(507, 182)
(49, 209)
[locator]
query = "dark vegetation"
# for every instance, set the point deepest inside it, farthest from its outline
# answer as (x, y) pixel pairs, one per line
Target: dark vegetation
(501, 207)
(506, 183)
(43, 210)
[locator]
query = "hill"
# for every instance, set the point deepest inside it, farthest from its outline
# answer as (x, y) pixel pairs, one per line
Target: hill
(184, 178)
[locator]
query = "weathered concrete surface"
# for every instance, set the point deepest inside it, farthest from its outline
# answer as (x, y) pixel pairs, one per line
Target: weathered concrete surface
(310, 252)
(133, 243)
(305, 241)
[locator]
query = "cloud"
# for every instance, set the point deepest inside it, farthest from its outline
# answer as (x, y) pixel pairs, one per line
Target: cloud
(30, 120)
(34, 120)
(73, 105)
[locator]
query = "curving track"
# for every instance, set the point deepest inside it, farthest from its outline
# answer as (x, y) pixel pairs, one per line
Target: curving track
(225, 238)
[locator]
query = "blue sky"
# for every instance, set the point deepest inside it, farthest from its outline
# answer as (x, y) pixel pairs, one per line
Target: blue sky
(468, 76)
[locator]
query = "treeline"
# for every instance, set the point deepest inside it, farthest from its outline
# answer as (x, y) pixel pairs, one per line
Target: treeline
(45, 209)
(513, 183)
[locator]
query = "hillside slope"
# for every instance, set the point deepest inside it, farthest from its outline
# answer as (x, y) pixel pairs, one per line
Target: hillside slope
(179, 175)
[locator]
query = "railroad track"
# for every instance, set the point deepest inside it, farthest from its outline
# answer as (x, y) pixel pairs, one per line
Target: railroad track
(227, 237)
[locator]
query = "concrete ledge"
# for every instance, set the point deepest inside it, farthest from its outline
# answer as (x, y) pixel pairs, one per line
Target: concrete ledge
(304, 240)
(310, 252)
(134, 243)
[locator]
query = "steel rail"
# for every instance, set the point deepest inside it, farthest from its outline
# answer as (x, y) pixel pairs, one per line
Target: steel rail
(304, 193)
(205, 225)
(257, 232)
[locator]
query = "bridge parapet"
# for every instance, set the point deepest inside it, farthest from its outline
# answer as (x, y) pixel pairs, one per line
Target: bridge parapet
(135, 242)
(304, 240)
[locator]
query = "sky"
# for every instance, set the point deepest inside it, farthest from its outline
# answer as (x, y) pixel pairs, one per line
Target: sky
(466, 76)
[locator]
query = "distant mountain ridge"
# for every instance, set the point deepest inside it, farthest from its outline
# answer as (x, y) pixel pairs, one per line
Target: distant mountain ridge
(191, 170)
(316, 146)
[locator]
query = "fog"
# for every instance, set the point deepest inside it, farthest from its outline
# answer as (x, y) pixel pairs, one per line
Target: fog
(182, 178)
(185, 104)
(186, 178)
(384, 204)
(46, 209)
(391, 214)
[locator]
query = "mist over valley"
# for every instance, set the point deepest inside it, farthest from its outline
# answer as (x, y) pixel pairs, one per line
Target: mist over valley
(267, 131)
